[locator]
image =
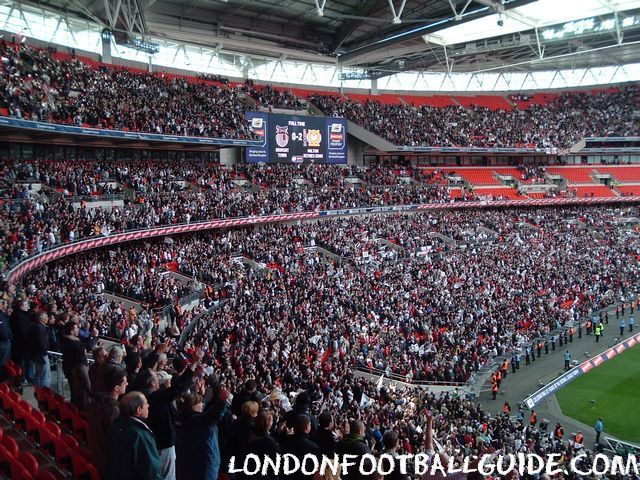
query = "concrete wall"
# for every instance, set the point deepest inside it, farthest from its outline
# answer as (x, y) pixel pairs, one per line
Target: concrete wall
(230, 156)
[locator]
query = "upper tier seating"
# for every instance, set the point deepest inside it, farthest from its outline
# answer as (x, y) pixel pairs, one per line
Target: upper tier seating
(478, 176)
(592, 191)
(622, 173)
(492, 102)
(573, 174)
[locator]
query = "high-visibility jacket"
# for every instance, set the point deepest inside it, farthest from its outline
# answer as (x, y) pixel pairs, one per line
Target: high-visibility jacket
(495, 388)
(533, 418)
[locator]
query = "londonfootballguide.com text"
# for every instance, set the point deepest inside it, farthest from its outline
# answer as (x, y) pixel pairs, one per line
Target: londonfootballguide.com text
(425, 463)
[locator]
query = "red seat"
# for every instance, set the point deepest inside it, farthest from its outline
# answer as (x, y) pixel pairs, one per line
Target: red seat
(10, 445)
(33, 423)
(82, 469)
(17, 470)
(71, 442)
(45, 475)
(61, 453)
(80, 427)
(67, 412)
(53, 428)
(21, 412)
(30, 463)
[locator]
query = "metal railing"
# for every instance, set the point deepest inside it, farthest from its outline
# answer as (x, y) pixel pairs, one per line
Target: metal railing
(399, 378)
(189, 328)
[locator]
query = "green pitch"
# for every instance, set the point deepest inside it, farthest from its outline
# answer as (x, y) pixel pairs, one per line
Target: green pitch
(615, 387)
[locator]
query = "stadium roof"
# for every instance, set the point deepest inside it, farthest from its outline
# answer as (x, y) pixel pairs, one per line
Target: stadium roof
(390, 36)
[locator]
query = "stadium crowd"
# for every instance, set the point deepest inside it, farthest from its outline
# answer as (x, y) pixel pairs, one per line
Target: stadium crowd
(560, 124)
(291, 333)
(171, 193)
(38, 86)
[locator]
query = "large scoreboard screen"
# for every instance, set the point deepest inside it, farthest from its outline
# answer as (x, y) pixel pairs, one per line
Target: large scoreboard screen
(297, 139)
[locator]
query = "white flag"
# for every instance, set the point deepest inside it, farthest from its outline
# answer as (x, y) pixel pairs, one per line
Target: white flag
(365, 401)
(379, 383)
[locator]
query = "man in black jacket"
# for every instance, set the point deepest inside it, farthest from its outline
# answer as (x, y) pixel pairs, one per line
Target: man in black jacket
(325, 437)
(5, 339)
(300, 445)
(248, 393)
(20, 323)
(162, 413)
(353, 444)
(39, 346)
(302, 407)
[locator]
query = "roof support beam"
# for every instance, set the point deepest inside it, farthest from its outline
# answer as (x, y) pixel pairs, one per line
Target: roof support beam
(398, 14)
(349, 27)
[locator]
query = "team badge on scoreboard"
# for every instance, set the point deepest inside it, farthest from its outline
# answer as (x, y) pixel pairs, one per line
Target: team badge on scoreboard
(336, 136)
(257, 125)
(282, 136)
(312, 138)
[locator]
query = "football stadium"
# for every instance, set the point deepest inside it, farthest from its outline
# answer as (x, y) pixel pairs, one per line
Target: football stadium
(319, 239)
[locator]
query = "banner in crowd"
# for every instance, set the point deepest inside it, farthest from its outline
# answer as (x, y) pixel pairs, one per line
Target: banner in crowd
(581, 369)
(120, 134)
(297, 139)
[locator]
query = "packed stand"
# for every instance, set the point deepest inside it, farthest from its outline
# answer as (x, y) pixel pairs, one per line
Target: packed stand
(166, 193)
(36, 86)
(301, 327)
(560, 123)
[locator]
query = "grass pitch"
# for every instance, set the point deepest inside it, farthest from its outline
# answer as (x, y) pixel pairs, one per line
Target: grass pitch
(615, 387)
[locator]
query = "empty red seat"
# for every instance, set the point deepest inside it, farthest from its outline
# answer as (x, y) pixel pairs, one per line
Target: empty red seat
(30, 463)
(82, 469)
(10, 445)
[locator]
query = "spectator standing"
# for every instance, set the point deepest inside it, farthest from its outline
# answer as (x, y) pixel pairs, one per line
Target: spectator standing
(262, 443)
(325, 437)
(5, 339)
(353, 444)
(162, 413)
(105, 410)
(599, 427)
(130, 449)
(567, 360)
(299, 444)
(197, 443)
(75, 366)
(39, 346)
(20, 323)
